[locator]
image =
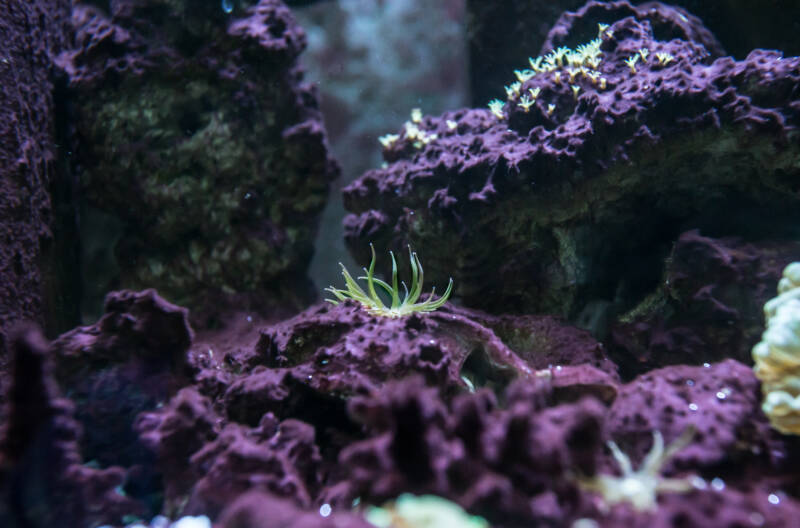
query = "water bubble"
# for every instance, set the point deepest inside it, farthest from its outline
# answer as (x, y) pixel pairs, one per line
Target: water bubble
(325, 510)
(718, 484)
(692, 406)
(159, 521)
(697, 482)
(773, 499)
(227, 6)
(201, 521)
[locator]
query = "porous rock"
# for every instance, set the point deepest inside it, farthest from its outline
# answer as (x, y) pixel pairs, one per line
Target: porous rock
(262, 510)
(559, 209)
(199, 142)
(510, 463)
(707, 307)
(720, 401)
(131, 360)
(43, 479)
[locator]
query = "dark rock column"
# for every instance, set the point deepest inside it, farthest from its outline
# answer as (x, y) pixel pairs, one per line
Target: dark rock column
(31, 33)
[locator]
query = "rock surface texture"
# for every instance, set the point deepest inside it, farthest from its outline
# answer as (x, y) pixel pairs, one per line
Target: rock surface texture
(504, 33)
(32, 33)
(200, 150)
(568, 198)
(613, 228)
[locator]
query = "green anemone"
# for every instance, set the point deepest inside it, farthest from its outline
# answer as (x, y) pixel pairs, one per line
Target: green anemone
(370, 300)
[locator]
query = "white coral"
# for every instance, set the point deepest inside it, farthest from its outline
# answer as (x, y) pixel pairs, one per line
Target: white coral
(640, 488)
(777, 355)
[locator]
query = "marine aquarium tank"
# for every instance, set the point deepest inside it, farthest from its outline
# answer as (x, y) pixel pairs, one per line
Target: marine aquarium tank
(399, 264)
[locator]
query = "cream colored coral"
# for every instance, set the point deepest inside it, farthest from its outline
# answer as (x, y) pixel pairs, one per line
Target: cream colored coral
(640, 488)
(427, 511)
(777, 355)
